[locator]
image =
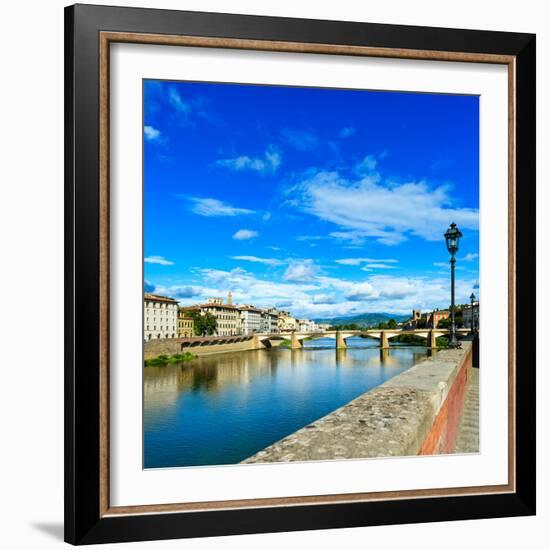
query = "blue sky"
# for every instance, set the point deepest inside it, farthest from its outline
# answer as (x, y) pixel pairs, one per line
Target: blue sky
(325, 202)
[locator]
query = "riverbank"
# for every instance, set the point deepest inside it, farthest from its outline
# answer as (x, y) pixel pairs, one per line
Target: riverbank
(416, 412)
(163, 360)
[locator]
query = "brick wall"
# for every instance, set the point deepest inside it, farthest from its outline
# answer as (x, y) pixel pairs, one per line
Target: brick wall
(442, 436)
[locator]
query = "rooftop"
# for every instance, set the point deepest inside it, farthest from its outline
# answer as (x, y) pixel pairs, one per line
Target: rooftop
(158, 298)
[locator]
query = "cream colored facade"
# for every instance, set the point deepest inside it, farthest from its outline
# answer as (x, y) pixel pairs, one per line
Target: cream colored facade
(270, 318)
(227, 315)
(306, 325)
(160, 317)
(251, 319)
(287, 322)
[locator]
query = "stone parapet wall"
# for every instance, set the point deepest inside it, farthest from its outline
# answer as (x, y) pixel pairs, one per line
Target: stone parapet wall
(154, 348)
(416, 412)
(165, 346)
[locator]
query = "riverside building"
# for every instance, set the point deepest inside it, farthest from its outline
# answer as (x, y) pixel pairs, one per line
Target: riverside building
(270, 319)
(160, 317)
(227, 316)
(251, 319)
(186, 327)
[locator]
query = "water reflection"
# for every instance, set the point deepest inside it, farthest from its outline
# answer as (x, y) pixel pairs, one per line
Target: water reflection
(224, 408)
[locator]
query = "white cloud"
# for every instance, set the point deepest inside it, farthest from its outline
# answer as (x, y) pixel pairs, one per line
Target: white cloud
(324, 299)
(176, 101)
(151, 134)
(319, 296)
(309, 237)
(267, 164)
(157, 260)
(347, 131)
(215, 207)
(368, 207)
(359, 261)
(370, 267)
(245, 234)
(447, 265)
(361, 292)
(471, 256)
(301, 271)
(302, 140)
(256, 259)
(367, 166)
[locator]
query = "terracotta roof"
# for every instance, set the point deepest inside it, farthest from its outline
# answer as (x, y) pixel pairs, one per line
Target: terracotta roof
(249, 308)
(158, 298)
(222, 306)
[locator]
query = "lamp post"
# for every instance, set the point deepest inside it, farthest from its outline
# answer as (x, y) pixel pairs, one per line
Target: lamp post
(472, 298)
(452, 236)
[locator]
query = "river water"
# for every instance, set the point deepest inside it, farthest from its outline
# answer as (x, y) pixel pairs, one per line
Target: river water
(224, 408)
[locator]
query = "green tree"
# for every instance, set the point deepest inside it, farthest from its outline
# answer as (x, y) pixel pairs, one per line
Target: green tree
(444, 323)
(392, 324)
(204, 325)
(421, 323)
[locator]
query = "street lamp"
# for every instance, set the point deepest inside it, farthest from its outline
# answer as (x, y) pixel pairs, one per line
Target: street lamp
(472, 298)
(452, 236)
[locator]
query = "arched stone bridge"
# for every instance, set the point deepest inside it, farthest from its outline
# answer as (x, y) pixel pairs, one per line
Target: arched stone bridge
(296, 338)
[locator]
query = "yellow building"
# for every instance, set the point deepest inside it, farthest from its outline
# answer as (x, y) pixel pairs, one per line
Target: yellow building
(186, 327)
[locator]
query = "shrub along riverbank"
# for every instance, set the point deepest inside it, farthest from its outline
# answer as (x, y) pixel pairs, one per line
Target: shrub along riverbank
(163, 360)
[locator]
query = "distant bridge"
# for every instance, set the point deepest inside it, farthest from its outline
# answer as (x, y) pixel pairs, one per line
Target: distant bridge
(217, 344)
(206, 345)
(384, 335)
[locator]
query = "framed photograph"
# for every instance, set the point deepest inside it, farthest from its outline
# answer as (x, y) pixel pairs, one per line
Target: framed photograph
(299, 254)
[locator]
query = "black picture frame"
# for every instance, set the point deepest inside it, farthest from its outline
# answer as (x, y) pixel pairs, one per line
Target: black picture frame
(84, 523)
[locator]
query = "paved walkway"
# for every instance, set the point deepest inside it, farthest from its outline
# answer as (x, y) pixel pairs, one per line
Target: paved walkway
(468, 431)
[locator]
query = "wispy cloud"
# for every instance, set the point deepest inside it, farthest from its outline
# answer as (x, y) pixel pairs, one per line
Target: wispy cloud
(359, 261)
(151, 134)
(447, 265)
(347, 132)
(178, 103)
(471, 256)
(215, 207)
(256, 259)
(245, 234)
(301, 271)
(268, 163)
(370, 267)
(370, 207)
(302, 140)
(157, 260)
(309, 237)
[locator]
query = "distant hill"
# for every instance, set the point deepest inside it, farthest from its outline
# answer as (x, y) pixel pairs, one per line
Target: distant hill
(364, 319)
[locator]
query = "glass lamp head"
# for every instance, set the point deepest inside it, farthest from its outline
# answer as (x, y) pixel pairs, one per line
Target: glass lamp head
(452, 237)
